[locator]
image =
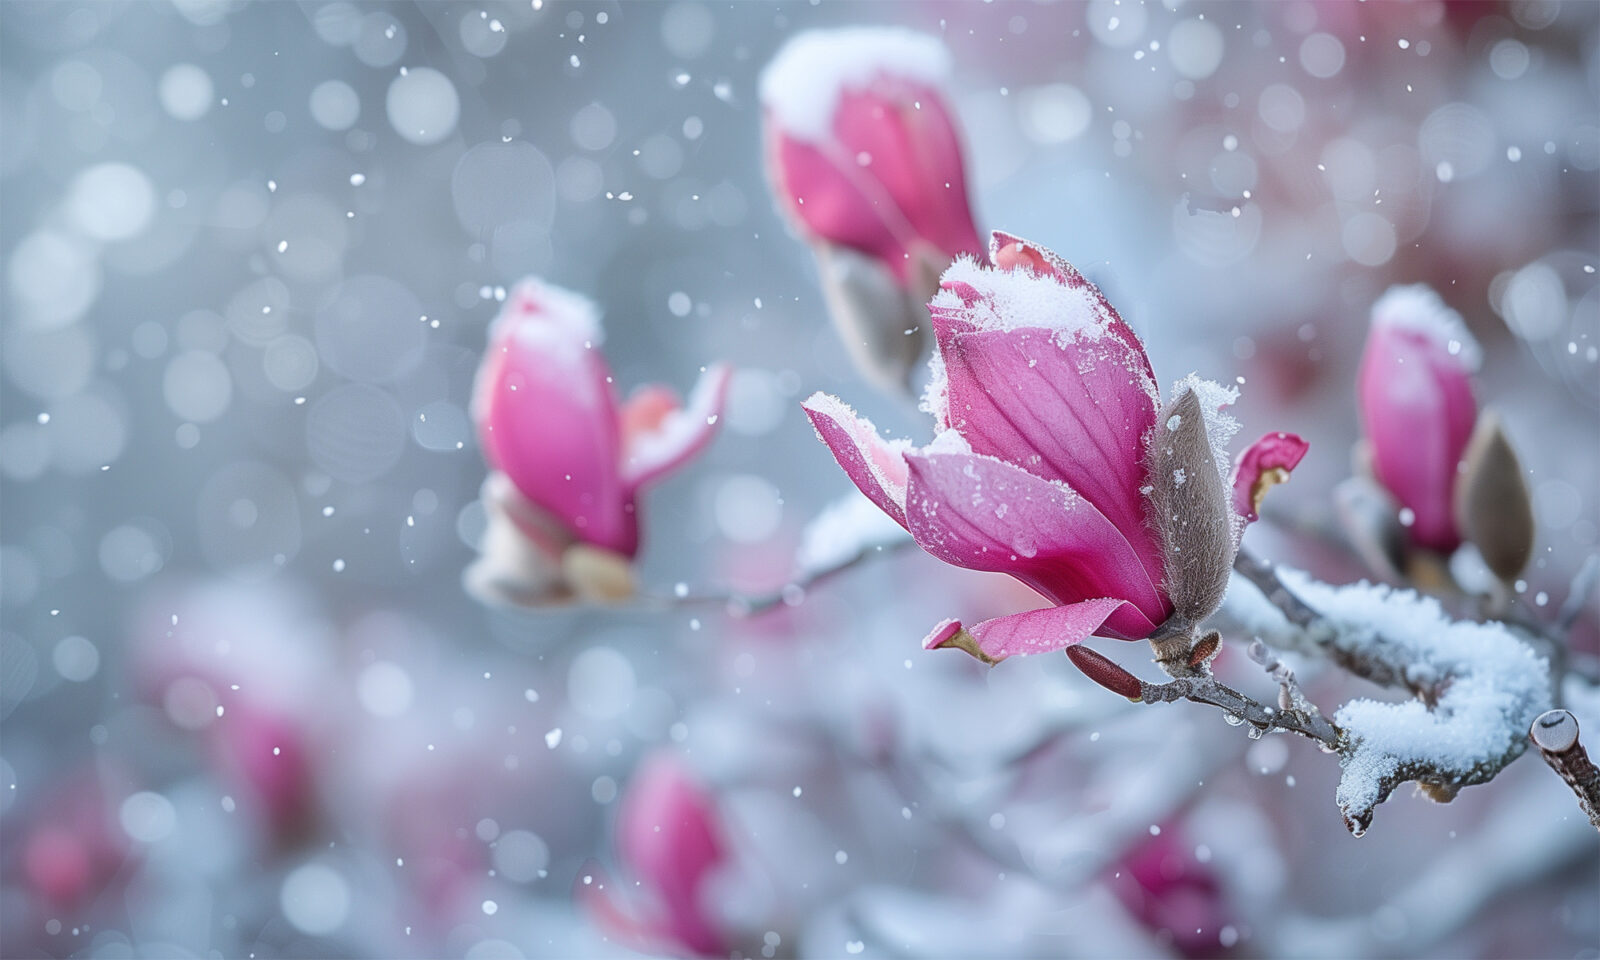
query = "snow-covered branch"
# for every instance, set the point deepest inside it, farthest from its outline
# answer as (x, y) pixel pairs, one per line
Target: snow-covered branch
(1475, 687)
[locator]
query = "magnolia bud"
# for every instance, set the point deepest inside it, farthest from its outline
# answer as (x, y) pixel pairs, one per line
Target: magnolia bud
(882, 325)
(1192, 509)
(1100, 668)
(1492, 504)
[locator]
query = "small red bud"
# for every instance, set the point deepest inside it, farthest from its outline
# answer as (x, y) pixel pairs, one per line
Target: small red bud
(1102, 670)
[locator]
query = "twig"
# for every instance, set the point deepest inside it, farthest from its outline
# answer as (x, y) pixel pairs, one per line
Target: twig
(1555, 733)
(1238, 708)
(1476, 680)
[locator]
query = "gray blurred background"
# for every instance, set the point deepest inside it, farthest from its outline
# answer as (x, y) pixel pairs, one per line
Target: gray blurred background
(251, 251)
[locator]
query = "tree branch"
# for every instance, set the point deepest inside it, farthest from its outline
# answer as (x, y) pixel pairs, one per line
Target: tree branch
(1555, 733)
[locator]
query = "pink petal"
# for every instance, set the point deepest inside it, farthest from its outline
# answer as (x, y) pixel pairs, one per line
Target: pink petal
(678, 434)
(1417, 410)
(984, 514)
(1039, 631)
(1266, 462)
(877, 468)
(1077, 412)
(832, 200)
(906, 135)
(547, 418)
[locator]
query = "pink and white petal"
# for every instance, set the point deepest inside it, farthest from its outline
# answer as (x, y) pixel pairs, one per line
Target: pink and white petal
(1263, 464)
(981, 513)
(679, 434)
(876, 466)
(1042, 631)
(1008, 252)
(1076, 411)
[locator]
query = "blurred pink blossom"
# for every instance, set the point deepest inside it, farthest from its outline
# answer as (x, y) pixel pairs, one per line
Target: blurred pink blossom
(1049, 465)
(1171, 891)
(568, 458)
(669, 840)
(1417, 407)
(864, 155)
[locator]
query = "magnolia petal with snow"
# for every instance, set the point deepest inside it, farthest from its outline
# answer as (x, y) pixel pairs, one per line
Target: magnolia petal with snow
(1065, 409)
(984, 514)
(679, 434)
(875, 466)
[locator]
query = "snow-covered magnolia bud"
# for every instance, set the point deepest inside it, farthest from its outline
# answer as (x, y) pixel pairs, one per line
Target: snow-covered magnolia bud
(864, 156)
(1493, 508)
(1190, 499)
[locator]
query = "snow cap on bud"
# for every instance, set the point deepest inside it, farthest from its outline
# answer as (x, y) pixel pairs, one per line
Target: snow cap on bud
(574, 456)
(865, 159)
(1190, 498)
(1417, 409)
(1492, 504)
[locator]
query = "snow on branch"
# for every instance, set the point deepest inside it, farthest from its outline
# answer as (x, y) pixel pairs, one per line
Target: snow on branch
(1476, 687)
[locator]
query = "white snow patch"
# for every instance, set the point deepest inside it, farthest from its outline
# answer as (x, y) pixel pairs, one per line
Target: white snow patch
(534, 306)
(802, 85)
(1014, 299)
(1490, 687)
(846, 529)
(1419, 309)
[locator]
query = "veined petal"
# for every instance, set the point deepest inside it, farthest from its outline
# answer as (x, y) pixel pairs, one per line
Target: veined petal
(984, 514)
(1076, 410)
(1035, 631)
(1008, 252)
(876, 466)
(1262, 465)
(677, 435)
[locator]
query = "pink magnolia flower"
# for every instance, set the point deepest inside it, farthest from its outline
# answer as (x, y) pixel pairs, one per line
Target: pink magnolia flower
(670, 843)
(864, 155)
(1055, 462)
(1417, 408)
(572, 458)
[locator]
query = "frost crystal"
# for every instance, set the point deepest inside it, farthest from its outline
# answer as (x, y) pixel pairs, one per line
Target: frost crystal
(803, 83)
(1220, 426)
(1014, 299)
